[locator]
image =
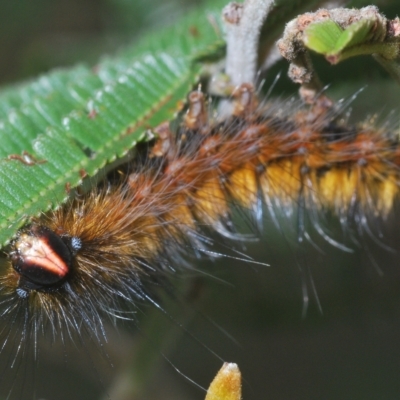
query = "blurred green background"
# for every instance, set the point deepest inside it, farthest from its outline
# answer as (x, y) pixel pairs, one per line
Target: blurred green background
(345, 345)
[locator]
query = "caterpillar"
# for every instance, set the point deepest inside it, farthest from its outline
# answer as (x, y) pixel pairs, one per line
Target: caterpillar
(103, 245)
(76, 265)
(85, 262)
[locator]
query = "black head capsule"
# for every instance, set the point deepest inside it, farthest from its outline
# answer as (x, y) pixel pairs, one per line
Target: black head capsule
(42, 258)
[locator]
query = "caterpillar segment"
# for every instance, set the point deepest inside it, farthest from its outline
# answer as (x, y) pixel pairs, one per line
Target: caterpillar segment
(80, 261)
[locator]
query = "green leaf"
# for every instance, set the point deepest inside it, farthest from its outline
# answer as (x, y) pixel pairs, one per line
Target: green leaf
(337, 44)
(322, 37)
(330, 39)
(144, 95)
(77, 120)
(197, 35)
(353, 35)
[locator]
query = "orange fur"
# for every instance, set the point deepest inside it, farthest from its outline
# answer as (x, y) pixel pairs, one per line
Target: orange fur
(187, 182)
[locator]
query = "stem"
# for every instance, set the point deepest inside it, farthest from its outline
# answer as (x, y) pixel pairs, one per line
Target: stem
(243, 26)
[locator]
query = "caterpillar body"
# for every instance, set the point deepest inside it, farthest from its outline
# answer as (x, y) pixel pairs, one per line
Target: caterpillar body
(102, 246)
(75, 266)
(84, 263)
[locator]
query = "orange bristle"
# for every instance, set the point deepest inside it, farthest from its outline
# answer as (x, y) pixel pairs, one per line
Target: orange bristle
(159, 211)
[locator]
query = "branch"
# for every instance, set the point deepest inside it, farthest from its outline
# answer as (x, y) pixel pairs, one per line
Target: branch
(243, 25)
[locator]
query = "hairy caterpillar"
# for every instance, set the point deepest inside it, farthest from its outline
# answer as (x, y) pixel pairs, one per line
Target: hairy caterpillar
(288, 196)
(77, 264)
(116, 236)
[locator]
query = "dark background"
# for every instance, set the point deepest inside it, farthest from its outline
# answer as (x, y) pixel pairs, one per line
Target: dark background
(345, 345)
